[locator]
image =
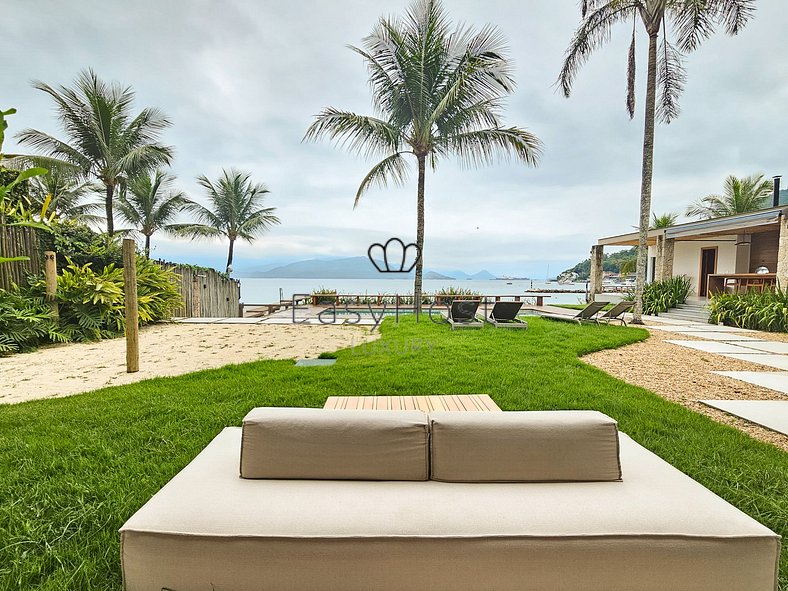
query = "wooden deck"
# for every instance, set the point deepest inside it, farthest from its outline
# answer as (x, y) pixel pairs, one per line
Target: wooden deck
(454, 402)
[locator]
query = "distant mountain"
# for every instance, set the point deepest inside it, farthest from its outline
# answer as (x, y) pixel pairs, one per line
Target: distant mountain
(436, 275)
(481, 275)
(349, 268)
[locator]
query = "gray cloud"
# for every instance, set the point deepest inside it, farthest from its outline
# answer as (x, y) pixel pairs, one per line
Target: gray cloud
(241, 79)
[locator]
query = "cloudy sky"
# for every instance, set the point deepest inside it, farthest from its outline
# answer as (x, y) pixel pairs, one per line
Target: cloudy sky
(241, 80)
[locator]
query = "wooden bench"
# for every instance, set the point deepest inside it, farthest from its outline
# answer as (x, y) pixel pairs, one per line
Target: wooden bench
(454, 402)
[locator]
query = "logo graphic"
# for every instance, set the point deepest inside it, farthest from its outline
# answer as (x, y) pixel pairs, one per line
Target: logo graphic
(395, 256)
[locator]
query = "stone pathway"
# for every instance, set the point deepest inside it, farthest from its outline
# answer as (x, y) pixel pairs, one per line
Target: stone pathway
(731, 343)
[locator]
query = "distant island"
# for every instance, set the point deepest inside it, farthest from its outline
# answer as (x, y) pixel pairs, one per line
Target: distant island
(353, 268)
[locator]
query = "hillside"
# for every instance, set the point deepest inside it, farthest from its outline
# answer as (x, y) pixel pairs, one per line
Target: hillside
(611, 263)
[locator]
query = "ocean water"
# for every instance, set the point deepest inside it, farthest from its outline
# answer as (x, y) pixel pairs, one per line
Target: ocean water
(256, 290)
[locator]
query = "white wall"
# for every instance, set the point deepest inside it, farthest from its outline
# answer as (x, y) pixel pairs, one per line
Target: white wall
(686, 258)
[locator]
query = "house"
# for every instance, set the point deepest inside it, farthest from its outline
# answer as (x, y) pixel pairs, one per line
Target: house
(717, 254)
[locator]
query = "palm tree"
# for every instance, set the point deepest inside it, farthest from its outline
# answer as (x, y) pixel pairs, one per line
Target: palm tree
(740, 195)
(691, 21)
(437, 91)
(62, 192)
(235, 210)
(150, 204)
(666, 220)
(103, 139)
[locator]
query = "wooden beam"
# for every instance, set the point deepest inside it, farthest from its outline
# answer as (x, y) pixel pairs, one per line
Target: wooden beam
(50, 276)
(131, 304)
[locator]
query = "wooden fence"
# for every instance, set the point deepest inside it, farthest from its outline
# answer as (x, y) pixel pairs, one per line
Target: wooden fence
(18, 241)
(206, 293)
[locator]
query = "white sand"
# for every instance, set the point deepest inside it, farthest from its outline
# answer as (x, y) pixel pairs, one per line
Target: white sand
(165, 350)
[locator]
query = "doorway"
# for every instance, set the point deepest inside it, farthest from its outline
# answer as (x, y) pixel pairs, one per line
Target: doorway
(708, 266)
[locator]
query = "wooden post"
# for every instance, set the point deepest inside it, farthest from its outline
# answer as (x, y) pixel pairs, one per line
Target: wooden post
(50, 274)
(597, 260)
(196, 288)
(132, 311)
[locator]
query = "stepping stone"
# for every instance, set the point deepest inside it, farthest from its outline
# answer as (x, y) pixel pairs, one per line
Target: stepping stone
(766, 346)
(716, 336)
(767, 359)
(199, 320)
(667, 327)
(713, 347)
(774, 380)
(239, 320)
(315, 362)
(772, 414)
(714, 328)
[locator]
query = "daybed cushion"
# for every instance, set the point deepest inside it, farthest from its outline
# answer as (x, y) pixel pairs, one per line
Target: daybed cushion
(656, 530)
(313, 443)
(529, 446)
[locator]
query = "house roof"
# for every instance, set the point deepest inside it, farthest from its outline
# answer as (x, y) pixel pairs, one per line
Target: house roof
(764, 220)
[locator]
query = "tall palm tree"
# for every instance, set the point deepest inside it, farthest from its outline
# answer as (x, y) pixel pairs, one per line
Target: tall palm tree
(690, 21)
(235, 210)
(103, 139)
(739, 195)
(150, 204)
(437, 91)
(666, 220)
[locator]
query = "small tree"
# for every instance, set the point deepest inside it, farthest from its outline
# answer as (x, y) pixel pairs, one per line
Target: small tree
(739, 195)
(235, 211)
(666, 220)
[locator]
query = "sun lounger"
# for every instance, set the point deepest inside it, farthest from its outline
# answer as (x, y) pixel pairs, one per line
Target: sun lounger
(587, 314)
(617, 313)
(462, 314)
(504, 314)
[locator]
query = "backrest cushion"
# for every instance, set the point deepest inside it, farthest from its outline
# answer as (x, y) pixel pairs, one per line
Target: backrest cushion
(531, 446)
(314, 443)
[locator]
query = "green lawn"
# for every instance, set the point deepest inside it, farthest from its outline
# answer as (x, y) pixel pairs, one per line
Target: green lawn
(73, 470)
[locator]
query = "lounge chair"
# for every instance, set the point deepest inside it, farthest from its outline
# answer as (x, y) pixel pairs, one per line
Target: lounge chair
(462, 314)
(504, 314)
(587, 314)
(617, 313)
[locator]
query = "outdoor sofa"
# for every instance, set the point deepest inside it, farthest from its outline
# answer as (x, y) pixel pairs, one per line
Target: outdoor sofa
(393, 500)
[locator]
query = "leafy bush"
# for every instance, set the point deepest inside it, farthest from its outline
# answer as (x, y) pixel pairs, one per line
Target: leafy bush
(92, 303)
(767, 310)
(661, 296)
(447, 295)
(25, 322)
(74, 241)
(324, 295)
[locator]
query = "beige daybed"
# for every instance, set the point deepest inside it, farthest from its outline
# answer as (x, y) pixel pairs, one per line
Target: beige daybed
(600, 525)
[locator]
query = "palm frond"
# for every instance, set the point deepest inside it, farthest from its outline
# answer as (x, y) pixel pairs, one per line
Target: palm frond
(356, 133)
(393, 168)
(631, 75)
(671, 78)
(483, 146)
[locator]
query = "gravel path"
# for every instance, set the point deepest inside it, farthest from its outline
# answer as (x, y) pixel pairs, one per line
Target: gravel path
(684, 376)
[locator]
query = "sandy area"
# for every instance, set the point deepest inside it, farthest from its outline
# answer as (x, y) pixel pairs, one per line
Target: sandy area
(165, 350)
(684, 376)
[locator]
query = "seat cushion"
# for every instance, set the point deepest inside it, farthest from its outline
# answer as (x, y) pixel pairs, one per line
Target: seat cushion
(658, 529)
(529, 446)
(319, 444)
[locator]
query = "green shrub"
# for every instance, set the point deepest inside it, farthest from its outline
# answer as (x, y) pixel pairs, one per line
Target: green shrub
(74, 241)
(25, 322)
(767, 310)
(157, 291)
(447, 295)
(324, 295)
(661, 296)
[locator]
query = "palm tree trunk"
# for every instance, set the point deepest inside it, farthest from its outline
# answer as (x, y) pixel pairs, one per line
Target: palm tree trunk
(108, 209)
(646, 176)
(147, 246)
(230, 255)
(419, 235)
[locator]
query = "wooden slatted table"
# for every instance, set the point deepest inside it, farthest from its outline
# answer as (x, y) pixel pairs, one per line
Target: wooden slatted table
(454, 402)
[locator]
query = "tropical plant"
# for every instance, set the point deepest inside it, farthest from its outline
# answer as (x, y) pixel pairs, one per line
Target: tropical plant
(666, 220)
(323, 295)
(628, 266)
(104, 140)
(661, 296)
(66, 194)
(758, 310)
(150, 203)
(739, 195)
(235, 210)
(446, 295)
(691, 21)
(437, 91)
(25, 322)
(75, 242)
